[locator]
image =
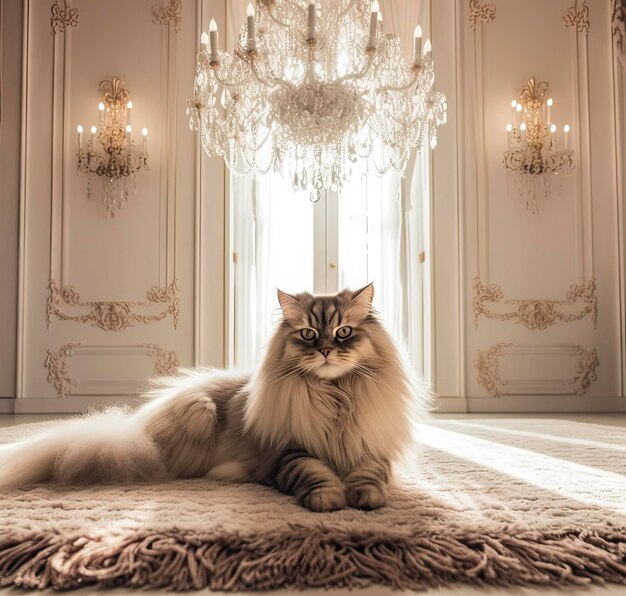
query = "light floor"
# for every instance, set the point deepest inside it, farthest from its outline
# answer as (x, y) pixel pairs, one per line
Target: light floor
(616, 419)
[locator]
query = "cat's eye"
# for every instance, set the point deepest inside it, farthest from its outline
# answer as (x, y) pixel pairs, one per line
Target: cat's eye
(344, 332)
(307, 334)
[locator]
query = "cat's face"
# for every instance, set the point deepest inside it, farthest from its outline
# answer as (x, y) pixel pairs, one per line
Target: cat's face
(327, 336)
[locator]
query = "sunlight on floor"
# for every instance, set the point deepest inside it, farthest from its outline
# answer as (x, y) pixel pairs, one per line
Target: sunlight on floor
(543, 471)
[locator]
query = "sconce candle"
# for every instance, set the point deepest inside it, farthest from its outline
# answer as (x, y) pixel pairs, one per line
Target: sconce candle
(549, 110)
(100, 113)
(79, 130)
(204, 41)
(129, 107)
(513, 106)
(93, 132)
(144, 133)
(509, 131)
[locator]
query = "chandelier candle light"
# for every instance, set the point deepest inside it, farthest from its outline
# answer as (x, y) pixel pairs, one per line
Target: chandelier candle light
(535, 154)
(312, 90)
(118, 158)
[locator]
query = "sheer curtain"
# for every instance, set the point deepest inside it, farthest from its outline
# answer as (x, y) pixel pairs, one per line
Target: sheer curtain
(380, 231)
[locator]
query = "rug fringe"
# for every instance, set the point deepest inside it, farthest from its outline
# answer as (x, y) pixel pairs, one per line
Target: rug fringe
(300, 557)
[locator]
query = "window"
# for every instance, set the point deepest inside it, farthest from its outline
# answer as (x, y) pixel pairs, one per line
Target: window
(280, 239)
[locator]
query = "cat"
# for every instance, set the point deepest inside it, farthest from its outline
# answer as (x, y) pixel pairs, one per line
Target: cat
(322, 419)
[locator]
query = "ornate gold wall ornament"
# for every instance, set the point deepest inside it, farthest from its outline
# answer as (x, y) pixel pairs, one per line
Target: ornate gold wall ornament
(166, 362)
(164, 15)
(110, 153)
(62, 16)
(577, 17)
(113, 316)
(481, 13)
(585, 368)
(58, 370)
(487, 368)
(536, 314)
(618, 24)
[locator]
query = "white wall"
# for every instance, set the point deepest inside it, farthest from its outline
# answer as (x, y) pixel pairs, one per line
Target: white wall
(480, 229)
(528, 310)
(105, 303)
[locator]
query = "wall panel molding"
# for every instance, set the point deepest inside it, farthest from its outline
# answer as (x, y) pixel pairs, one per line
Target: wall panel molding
(583, 364)
(580, 302)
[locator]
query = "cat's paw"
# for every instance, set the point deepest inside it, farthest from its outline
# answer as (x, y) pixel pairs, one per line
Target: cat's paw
(327, 498)
(366, 497)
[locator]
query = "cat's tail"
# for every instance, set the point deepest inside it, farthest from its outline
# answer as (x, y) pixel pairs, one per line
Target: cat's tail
(107, 447)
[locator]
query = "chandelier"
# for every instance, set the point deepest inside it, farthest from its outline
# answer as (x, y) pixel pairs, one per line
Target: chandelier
(534, 154)
(315, 92)
(119, 158)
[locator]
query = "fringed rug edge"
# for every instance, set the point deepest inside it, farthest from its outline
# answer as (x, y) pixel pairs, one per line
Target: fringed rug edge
(301, 557)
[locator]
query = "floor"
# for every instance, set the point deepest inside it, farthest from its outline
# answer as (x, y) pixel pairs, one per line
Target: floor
(616, 419)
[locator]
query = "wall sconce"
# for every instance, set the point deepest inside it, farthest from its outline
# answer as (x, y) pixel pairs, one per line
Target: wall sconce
(534, 154)
(119, 158)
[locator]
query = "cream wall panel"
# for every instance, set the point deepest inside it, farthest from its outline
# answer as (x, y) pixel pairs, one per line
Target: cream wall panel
(136, 279)
(535, 260)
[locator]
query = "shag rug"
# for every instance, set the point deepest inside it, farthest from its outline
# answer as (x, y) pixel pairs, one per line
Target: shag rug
(501, 502)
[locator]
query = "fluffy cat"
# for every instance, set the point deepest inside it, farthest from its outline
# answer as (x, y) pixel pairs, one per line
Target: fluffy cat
(322, 419)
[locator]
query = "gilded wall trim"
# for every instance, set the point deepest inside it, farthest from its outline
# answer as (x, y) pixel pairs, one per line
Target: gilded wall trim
(481, 13)
(618, 24)
(577, 17)
(488, 376)
(166, 362)
(172, 13)
(487, 367)
(113, 316)
(62, 16)
(58, 369)
(536, 314)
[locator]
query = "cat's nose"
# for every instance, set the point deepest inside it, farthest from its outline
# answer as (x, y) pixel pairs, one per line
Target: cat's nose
(325, 351)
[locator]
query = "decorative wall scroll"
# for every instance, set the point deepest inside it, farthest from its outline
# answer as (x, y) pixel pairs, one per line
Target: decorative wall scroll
(164, 15)
(113, 316)
(487, 364)
(481, 13)
(57, 363)
(577, 17)
(58, 370)
(536, 314)
(618, 24)
(62, 16)
(487, 367)
(165, 362)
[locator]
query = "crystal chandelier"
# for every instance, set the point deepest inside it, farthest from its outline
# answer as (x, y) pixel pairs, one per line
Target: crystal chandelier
(533, 153)
(314, 92)
(118, 158)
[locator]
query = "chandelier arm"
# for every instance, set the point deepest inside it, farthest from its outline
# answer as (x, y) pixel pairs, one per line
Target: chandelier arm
(356, 75)
(297, 7)
(412, 82)
(273, 82)
(345, 11)
(223, 82)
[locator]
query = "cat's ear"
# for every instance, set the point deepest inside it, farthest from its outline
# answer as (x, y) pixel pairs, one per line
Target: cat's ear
(361, 303)
(292, 308)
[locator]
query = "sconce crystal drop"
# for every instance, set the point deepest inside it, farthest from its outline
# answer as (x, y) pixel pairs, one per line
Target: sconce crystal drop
(534, 155)
(118, 158)
(314, 89)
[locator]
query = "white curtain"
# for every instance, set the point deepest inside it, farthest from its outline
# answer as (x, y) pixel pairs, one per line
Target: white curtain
(380, 230)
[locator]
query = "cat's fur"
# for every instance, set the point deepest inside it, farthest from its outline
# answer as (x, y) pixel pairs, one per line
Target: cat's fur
(321, 425)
